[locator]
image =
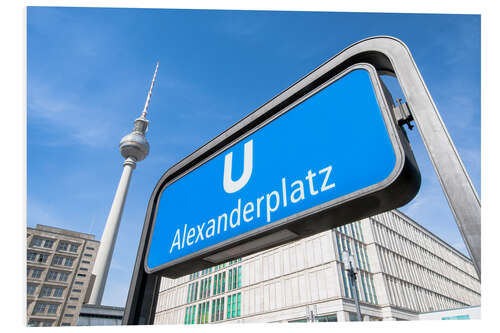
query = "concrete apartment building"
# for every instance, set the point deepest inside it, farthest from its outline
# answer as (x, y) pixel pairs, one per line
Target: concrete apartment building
(100, 315)
(59, 269)
(405, 270)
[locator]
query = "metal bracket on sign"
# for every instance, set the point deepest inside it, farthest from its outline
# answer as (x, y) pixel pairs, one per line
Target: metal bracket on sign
(403, 114)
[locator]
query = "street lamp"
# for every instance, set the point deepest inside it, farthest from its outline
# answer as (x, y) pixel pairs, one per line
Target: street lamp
(352, 270)
(311, 312)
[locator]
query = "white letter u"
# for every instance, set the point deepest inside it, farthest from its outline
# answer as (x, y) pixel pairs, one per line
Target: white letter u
(231, 186)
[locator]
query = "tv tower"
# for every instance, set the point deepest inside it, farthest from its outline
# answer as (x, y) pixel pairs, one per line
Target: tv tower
(134, 148)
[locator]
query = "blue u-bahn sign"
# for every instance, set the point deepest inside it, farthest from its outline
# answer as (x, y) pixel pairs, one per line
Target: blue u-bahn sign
(325, 159)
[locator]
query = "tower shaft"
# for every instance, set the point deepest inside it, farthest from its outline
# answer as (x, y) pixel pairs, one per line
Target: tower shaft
(108, 238)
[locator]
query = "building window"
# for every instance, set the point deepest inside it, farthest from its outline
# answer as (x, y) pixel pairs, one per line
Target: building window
(326, 318)
(79, 282)
(85, 262)
(77, 290)
(34, 323)
(48, 243)
(84, 269)
(31, 289)
(189, 294)
(205, 285)
(36, 241)
(203, 313)
(52, 308)
(190, 314)
(51, 275)
(353, 316)
(81, 275)
(36, 273)
(71, 307)
(65, 324)
(90, 248)
(73, 248)
(192, 292)
(63, 246)
(217, 309)
(57, 260)
(363, 284)
(234, 279)
(219, 283)
(63, 276)
(42, 258)
(31, 256)
(58, 292)
(373, 290)
(73, 298)
(87, 255)
(221, 266)
(68, 262)
(233, 305)
(68, 315)
(46, 291)
(235, 261)
(205, 308)
(199, 314)
(47, 323)
(39, 308)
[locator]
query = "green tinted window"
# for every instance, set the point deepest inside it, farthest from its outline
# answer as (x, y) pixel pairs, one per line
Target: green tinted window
(239, 305)
(233, 314)
(239, 277)
(327, 318)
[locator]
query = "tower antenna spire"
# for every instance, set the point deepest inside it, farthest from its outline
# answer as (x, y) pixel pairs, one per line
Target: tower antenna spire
(145, 110)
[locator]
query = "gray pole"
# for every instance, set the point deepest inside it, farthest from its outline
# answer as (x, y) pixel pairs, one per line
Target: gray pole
(352, 269)
(352, 279)
(108, 238)
(457, 186)
(134, 148)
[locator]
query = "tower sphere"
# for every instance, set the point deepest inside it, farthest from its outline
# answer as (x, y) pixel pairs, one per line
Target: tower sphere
(135, 144)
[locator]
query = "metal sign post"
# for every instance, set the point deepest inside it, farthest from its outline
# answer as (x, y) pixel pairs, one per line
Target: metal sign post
(188, 249)
(142, 296)
(391, 56)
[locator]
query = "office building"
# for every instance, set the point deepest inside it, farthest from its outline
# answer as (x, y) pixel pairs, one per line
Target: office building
(100, 315)
(466, 313)
(404, 270)
(59, 265)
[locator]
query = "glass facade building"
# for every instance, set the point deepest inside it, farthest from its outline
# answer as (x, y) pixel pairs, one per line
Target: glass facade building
(404, 270)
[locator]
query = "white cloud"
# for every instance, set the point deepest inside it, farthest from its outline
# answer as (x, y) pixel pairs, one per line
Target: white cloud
(65, 114)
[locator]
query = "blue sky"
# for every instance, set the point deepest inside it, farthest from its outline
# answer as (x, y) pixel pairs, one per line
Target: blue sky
(89, 69)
